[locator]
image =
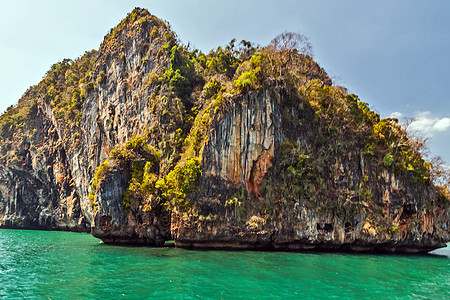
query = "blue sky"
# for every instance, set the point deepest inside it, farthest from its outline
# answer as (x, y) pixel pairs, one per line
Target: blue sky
(393, 54)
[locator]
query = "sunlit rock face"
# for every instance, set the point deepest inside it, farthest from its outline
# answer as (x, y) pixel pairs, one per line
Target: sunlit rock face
(241, 145)
(232, 212)
(281, 168)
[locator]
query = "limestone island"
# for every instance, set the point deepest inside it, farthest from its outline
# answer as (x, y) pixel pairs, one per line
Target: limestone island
(247, 147)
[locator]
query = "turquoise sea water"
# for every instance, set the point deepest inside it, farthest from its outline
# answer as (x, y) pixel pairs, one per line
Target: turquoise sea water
(64, 265)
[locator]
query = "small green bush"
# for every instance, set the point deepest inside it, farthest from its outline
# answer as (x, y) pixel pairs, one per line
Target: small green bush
(388, 159)
(101, 77)
(211, 88)
(101, 172)
(251, 75)
(180, 182)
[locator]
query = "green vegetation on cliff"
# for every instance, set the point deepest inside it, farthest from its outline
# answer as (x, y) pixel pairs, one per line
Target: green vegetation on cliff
(188, 92)
(63, 89)
(147, 187)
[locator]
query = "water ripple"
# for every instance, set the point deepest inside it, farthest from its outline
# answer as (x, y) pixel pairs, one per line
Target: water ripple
(59, 265)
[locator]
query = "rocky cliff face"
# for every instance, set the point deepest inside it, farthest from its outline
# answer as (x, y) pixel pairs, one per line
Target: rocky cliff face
(49, 188)
(242, 144)
(225, 150)
(233, 213)
(114, 225)
(39, 191)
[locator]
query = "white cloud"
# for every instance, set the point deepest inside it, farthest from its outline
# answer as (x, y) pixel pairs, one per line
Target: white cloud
(427, 123)
(396, 115)
(442, 124)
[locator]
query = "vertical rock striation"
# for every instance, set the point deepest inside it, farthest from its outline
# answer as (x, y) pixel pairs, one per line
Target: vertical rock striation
(286, 161)
(241, 145)
(240, 153)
